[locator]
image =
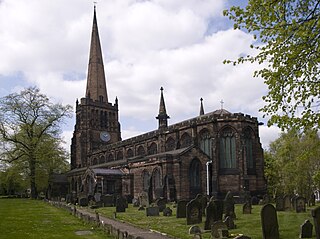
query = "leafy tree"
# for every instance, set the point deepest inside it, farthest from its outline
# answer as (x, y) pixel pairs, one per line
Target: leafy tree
(287, 37)
(27, 120)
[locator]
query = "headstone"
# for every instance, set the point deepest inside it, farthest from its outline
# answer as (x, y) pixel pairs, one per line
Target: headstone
(167, 212)
(316, 220)
(229, 206)
(161, 203)
(293, 201)
(300, 204)
(279, 203)
(213, 213)
(152, 211)
(312, 200)
(219, 230)
(144, 199)
(121, 203)
(194, 212)
(204, 202)
(108, 200)
(266, 199)
(242, 237)
(141, 208)
(286, 203)
(246, 208)
(182, 208)
(254, 200)
(97, 197)
(194, 230)
(306, 229)
(83, 202)
(135, 202)
(230, 223)
(269, 222)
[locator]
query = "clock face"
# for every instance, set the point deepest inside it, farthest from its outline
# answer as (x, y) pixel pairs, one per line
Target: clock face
(105, 136)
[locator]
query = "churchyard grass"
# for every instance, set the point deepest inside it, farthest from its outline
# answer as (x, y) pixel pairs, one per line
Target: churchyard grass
(247, 224)
(25, 218)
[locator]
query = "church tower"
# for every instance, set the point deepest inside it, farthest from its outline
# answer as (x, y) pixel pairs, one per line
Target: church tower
(97, 121)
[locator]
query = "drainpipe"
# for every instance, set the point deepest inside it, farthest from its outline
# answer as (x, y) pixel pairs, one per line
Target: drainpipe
(208, 178)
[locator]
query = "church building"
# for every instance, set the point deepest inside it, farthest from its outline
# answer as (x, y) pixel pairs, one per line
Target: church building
(211, 154)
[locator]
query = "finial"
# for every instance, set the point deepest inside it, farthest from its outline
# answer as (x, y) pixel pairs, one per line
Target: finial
(201, 107)
(201, 99)
(221, 102)
(161, 88)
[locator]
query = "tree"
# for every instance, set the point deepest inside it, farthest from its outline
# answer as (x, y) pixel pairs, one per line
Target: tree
(27, 120)
(287, 37)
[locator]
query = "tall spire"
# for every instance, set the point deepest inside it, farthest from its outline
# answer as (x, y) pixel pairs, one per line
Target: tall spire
(201, 107)
(162, 116)
(96, 82)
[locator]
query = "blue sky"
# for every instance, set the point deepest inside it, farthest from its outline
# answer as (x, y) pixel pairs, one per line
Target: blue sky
(178, 44)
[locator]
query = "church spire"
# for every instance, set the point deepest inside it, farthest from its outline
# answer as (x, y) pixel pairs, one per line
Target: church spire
(201, 107)
(162, 116)
(96, 82)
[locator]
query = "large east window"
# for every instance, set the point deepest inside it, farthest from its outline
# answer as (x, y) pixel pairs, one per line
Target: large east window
(227, 149)
(205, 142)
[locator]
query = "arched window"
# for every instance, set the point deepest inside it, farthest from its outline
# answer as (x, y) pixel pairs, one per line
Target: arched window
(129, 153)
(102, 159)
(119, 155)
(227, 149)
(248, 142)
(170, 144)
(94, 161)
(156, 179)
(195, 177)
(141, 151)
(205, 142)
(110, 157)
(145, 181)
(152, 149)
(185, 140)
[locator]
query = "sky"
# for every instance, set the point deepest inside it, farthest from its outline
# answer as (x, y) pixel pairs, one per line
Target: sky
(179, 45)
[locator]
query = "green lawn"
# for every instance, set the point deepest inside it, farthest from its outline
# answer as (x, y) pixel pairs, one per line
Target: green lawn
(25, 218)
(249, 224)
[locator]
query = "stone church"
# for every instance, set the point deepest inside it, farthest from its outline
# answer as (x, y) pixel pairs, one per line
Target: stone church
(211, 154)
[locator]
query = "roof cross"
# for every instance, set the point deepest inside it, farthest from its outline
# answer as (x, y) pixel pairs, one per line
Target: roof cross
(221, 102)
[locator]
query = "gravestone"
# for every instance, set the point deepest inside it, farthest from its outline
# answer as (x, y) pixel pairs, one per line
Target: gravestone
(312, 200)
(306, 229)
(266, 199)
(286, 203)
(144, 199)
(152, 211)
(219, 230)
(242, 237)
(167, 212)
(121, 204)
(211, 214)
(194, 230)
(204, 202)
(108, 200)
(293, 201)
(315, 213)
(254, 200)
(300, 204)
(83, 202)
(269, 222)
(135, 202)
(97, 197)
(194, 212)
(229, 206)
(279, 203)
(230, 223)
(246, 208)
(182, 209)
(161, 203)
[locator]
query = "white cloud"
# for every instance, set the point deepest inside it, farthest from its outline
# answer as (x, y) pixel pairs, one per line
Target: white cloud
(146, 45)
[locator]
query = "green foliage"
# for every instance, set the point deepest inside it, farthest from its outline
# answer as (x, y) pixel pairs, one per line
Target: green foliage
(287, 37)
(29, 133)
(292, 163)
(21, 218)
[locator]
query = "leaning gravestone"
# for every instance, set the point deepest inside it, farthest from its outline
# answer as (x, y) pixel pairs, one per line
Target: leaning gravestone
(279, 203)
(161, 203)
(246, 208)
(194, 212)
(300, 204)
(152, 211)
(211, 215)
(286, 203)
(229, 206)
(121, 204)
(316, 220)
(230, 223)
(194, 230)
(219, 230)
(306, 229)
(269, 222)
(182, 208)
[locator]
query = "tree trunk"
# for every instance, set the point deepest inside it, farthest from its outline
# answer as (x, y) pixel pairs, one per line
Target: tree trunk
(32, 165)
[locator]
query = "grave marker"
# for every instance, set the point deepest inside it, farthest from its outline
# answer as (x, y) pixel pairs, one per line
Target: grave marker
(269, 222)
(306, 229)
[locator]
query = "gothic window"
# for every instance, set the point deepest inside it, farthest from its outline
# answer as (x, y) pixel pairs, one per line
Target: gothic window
(110, 158)
(102, 159)
(94, 161)
(145, 180)
(205, 142)
(101, 119)
(227, 149)
(195, 177)
(100, 98)
(129, 153)
(105, 119)
(170, 144)
(248, 148)
(141, 151)
(152, 149)
(119, 155)
(185, 140)
(156, 179)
